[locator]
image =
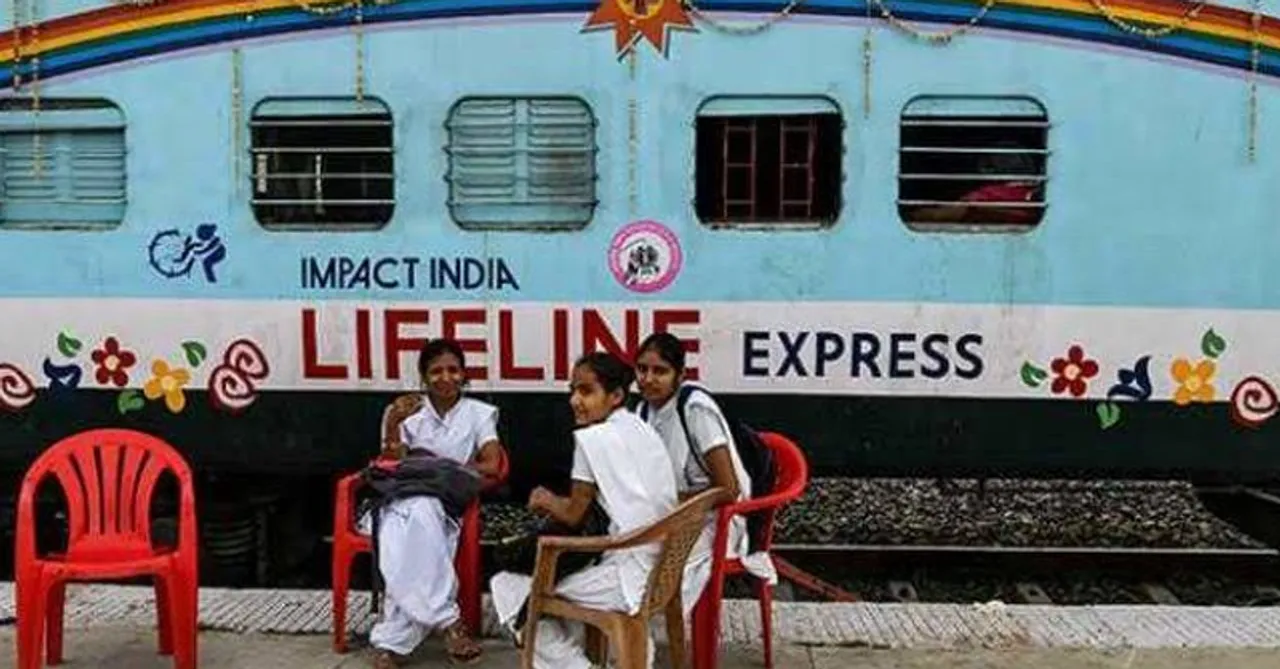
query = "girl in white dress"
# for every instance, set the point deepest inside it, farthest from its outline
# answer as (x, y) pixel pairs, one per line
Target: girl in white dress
(620, 462)
(416, 538)
(660, 375)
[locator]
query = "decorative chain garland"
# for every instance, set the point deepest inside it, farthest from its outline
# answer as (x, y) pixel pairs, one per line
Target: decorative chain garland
(866, 66)
(37, 148)
(727, 29)
(237, 118)
(326, 10)
(16, 9)
(26, 20)
(359, 30)
(940, 37)
(633, 138)
(1149, 33)
(1255, 38)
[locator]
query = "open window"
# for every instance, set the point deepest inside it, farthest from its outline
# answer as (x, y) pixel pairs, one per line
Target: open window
(521, 163)
(62, 166)
(322, 163)
(768, 161)
(972, 163)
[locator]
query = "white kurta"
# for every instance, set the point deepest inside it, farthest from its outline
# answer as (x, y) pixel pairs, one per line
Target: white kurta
(417, 540)
(708, 429)
(626, 461)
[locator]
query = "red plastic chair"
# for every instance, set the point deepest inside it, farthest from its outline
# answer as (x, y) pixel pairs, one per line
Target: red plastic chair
(108, 477)
(348, 543)
(791, 479)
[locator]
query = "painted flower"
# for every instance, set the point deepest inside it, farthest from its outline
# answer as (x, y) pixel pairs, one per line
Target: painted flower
(1195, 384)
(113, 363)
(167, 383)
(1073, 372)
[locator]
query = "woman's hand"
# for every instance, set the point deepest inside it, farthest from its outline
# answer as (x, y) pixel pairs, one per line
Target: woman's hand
(405, 406)
(542, 500)
(395, 450)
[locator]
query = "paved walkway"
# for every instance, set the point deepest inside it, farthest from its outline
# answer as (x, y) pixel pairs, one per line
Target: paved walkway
(993, 626)
(110, 647)
(111, 626)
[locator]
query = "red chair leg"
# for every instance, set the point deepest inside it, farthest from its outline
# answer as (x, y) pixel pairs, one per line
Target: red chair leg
(183, 599)
(707, 622)
(765, 593)
(341, 586)
(55, 606)
(31, 620)
(164, 616)
(467, 566)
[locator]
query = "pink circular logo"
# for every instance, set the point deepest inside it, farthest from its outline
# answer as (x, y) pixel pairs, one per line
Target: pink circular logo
(644, 256)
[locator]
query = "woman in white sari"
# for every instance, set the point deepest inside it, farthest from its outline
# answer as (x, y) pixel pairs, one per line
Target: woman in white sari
(619, 462)
(416, 538)
(660, 375)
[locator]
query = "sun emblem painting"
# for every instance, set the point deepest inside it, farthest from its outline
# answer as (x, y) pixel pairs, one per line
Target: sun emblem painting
(633, 19)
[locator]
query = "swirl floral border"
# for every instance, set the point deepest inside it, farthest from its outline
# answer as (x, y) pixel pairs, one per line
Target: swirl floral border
(232, 384)
(1193, 380)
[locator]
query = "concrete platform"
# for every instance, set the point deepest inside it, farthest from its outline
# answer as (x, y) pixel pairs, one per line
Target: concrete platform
(112, 647)
(906, 626)
(113, 626)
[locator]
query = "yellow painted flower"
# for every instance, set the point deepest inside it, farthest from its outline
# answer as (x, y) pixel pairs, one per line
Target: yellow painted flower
(167, 383)
(1195, 384)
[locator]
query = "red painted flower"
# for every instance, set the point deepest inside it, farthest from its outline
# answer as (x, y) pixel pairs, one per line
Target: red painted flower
(1073, 372)
(113, 363)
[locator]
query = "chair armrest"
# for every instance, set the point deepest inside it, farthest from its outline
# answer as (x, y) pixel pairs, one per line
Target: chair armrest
(343, 503)
(504, 471)
(566, 544)
(25, 530)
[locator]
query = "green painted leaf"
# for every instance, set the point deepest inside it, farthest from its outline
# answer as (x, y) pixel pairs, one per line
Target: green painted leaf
(1211, 344)
(1033, 376)
(68, 345)
(129, 400)
(195, 352)
(1108, 414)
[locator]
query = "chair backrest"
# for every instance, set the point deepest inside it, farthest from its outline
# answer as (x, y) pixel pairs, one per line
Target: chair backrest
(108, 477)
(790, 480)
(679, 531)
(792, 470)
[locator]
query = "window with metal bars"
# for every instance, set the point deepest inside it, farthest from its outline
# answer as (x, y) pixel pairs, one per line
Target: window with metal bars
(62, 164)
(973, 163)
(520, 163)
(322, 163)
(768, 161)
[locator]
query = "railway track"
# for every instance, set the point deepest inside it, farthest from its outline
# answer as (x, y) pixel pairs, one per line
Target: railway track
(1037, 575)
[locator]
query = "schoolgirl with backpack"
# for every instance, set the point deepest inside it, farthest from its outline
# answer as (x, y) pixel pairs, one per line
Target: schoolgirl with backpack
(707, 449)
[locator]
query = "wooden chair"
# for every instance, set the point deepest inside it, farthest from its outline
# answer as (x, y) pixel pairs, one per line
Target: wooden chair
(627, 633)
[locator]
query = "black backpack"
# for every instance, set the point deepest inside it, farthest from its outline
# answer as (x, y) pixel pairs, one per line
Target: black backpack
(756, 458)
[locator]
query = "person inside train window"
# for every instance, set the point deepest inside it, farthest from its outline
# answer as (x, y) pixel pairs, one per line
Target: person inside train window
(1002, 181)
(416, 538)
(620, 462)
(660, 374)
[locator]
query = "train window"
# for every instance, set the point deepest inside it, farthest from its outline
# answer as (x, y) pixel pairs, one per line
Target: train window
(768, 161)
(972, 163)
(520, 163)
(62, 164)
(322, 163)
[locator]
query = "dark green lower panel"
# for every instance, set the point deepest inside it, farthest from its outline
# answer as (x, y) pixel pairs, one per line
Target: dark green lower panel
(318, 434)
(265, 477)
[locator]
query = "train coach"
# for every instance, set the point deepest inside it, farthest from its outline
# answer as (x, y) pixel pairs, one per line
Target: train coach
(951, 238)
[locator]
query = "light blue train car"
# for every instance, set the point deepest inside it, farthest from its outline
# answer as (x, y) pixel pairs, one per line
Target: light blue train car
(928, 237)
